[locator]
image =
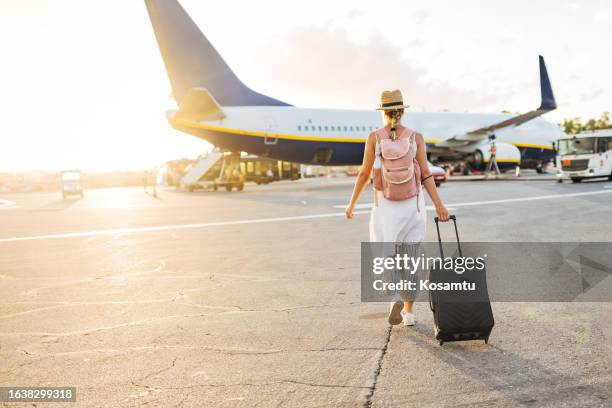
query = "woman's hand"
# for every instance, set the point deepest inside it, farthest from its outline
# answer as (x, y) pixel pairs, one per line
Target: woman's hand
(442, 213)
(349, 212)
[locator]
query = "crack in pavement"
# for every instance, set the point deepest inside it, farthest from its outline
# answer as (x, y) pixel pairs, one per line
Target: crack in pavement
(224, 309)
(377, 370)
(288, 309)
(229, 351)
(321, 385)
(247, 384)
(95, 329)
(18, 367)
(344, 349)
(162, 370)
(128, 303)
(37, 357)
(370, 389)
(159, 268)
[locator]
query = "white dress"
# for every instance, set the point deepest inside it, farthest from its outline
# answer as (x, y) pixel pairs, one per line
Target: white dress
(393, 222)
(398, 221)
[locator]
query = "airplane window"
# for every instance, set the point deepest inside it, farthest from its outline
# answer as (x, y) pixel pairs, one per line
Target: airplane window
(351, 128)
(319, 127)
(332, 128)
(299, 127)
(345, 128)
(326, 128)
(363, 128)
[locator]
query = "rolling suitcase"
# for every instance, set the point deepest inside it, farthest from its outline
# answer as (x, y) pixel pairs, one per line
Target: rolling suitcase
(462, 315)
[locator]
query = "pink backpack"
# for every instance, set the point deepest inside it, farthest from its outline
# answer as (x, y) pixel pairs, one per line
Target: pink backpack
(396, 171)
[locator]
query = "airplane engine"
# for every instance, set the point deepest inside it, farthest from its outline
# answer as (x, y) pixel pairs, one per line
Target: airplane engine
(508, 156)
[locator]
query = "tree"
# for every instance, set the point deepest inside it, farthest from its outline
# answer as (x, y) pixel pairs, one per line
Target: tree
(571, 126)
(591, 125)
(604, 121)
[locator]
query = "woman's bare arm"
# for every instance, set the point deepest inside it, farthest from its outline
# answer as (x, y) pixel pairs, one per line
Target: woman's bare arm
(364, 174)
(429, 183)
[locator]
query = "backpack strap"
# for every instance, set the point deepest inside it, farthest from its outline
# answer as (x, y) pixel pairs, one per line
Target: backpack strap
(413, 135)
(413, 142)
(377, 144)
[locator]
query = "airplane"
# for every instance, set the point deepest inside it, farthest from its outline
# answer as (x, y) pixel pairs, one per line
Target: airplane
(215, 105)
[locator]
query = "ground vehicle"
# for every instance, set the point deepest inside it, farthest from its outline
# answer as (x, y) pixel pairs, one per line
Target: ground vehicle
(263, 170)
(71, 183)
(224, 171)
(585, 155)
(439, 175)
(231, 170)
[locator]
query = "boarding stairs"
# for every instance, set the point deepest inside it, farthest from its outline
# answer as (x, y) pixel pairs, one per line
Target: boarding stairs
(201, 167)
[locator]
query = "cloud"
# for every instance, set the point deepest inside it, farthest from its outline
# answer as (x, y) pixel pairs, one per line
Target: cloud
(589, 96)
(328, 69)
(421, 16)
(354, 13)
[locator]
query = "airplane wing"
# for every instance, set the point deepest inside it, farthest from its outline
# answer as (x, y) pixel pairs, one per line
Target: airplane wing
(548, 104)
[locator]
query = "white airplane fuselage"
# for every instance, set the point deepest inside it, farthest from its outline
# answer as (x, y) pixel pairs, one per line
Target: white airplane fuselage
(337, 136)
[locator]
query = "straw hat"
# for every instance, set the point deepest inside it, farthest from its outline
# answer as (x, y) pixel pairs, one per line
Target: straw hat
(390, 100)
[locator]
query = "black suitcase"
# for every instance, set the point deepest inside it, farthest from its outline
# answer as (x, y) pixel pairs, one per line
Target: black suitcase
(460, 316)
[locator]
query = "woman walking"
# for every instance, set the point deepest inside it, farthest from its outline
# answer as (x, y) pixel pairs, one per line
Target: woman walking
(399, 214)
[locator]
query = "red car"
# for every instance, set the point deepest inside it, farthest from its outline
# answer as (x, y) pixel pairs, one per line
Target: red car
(439, 175)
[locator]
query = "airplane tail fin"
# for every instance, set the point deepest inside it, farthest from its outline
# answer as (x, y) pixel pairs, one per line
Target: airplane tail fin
(548, 99)
(192, 62)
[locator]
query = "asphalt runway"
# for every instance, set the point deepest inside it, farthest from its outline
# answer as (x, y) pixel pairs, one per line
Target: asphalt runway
(253, 299)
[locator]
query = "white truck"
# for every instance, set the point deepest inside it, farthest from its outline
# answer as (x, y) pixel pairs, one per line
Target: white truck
(71, 183)
(585, 155)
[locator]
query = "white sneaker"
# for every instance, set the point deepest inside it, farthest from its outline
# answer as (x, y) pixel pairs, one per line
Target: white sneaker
(408, 319)
(395, 312)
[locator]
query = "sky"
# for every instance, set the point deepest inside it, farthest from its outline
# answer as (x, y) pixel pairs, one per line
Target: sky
(82, 83)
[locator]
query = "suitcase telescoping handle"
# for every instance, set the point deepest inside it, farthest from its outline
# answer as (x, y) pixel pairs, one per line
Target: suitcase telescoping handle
(437, 220)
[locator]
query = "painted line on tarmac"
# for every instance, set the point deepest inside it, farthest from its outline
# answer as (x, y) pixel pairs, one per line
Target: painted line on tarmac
(506, 200)
(265, 220)
(371, 205)
(114, 207)
(6, 204)
(172, 227)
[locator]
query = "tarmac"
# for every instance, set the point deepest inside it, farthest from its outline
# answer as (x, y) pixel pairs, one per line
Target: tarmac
(217, 299)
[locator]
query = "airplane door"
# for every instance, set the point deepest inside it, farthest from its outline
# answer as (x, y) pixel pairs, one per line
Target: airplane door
(271, 131)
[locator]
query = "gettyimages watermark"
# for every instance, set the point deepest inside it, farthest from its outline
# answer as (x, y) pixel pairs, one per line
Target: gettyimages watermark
(495, 271)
